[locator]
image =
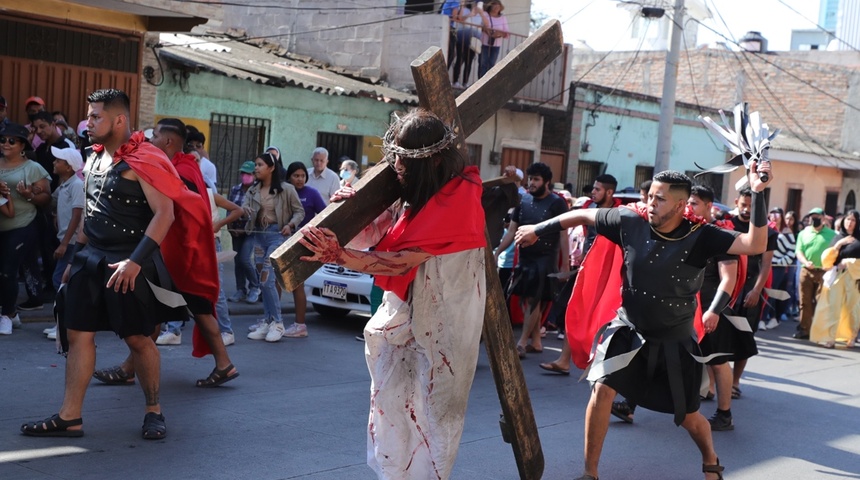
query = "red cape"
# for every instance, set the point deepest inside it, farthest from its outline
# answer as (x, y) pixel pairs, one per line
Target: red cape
(452, 221)
(189, 247)
(596, 295)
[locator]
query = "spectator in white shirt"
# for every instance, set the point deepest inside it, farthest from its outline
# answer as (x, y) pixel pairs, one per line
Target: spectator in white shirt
(197, 140)
(322, 178)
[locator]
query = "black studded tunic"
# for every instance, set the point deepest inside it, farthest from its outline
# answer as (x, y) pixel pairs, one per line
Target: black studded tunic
(662, 273)
(116, 216)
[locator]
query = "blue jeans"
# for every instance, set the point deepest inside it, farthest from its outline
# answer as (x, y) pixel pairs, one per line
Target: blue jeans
(489, 56)
(269, 239)
(62, 263)
(243, 265)
(221, 311)
(15, 247)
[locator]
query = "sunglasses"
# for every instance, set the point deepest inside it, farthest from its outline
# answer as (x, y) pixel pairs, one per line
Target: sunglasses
(9, 140)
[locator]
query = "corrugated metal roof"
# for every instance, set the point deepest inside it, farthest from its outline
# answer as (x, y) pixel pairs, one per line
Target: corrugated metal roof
(829, 157)
(237, 59)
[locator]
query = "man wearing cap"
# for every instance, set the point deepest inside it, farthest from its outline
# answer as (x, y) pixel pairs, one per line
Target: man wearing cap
(69, 198)
(247, 280)
(811, 242)
(32, 106)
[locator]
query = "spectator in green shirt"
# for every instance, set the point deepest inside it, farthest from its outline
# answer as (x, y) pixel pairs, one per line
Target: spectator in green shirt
(811, 242)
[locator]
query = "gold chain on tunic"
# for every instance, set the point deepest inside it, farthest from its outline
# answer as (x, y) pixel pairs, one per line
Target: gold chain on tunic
(693, 228)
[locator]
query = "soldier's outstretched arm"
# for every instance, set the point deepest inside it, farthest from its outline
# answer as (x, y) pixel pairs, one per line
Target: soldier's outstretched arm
(528, 234)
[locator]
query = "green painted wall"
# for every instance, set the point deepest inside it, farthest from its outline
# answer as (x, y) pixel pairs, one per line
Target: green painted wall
(622, 141)
(297, 114)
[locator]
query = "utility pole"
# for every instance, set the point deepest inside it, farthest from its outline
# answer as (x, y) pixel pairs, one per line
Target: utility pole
(670, 82)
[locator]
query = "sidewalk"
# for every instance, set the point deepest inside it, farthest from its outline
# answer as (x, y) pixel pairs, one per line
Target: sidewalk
(288, 306)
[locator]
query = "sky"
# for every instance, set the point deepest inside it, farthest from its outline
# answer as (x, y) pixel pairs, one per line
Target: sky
(601, 23)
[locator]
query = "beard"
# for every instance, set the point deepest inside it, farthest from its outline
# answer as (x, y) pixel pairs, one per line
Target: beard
(539, 191)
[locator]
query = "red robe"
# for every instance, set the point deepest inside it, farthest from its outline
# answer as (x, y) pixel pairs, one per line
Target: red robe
(596, 295)
(189, 247)
(452, 221)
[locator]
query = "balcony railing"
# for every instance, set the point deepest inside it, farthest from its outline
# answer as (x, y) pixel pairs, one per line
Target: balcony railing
(547, 88)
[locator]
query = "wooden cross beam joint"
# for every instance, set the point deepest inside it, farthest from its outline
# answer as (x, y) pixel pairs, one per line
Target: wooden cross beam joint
(379, 189)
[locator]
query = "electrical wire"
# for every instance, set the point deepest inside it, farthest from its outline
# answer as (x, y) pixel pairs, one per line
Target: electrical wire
(762, 83)
(783, 70)
(832, 34)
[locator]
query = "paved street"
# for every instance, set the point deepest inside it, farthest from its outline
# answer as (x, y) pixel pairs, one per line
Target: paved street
(299, 410)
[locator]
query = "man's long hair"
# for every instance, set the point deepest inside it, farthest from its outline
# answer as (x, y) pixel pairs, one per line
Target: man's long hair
(424, 177)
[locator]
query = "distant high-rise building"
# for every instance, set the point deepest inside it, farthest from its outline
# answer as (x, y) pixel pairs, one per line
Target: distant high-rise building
(847, 26)
(828, 13)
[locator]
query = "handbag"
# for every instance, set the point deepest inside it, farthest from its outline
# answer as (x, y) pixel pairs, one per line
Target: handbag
(475, 44)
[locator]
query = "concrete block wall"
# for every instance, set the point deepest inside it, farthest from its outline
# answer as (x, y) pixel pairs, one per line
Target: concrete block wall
(382, 46)
(146, 105)
(408, 38)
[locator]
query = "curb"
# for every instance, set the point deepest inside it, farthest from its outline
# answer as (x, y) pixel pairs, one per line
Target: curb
(243, 309)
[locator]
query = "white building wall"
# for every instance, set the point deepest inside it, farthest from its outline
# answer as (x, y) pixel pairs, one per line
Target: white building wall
(522, 130)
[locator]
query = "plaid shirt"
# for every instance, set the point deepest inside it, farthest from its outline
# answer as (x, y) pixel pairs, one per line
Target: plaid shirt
(237, 196)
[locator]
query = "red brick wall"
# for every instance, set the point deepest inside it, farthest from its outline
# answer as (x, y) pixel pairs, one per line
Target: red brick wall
(720, 79)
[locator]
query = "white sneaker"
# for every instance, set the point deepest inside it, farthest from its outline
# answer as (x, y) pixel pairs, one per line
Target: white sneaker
(257, 325)
(276, 331)
(51, 332)
(52, 335)
(761, 325)
(16, 321)
(773, 323)
(253, 296)
(169, 338)
(5, 325)
(296, 330)
(228, 338)
(457, 85)
(260, 333)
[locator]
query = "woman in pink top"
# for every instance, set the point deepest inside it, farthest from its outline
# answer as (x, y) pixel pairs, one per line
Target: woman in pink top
(494, 30)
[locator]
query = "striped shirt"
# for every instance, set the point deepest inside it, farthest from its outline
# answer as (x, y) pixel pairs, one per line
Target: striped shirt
(785, 254)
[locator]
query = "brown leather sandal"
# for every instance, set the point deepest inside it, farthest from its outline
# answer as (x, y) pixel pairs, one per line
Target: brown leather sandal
(718, 469)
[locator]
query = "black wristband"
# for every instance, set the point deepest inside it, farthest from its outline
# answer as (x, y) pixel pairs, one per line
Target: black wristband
(759, 210)
(553, 225)
(144, 250)
(720, 302)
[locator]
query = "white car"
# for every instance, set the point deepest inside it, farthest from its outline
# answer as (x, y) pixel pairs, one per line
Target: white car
(334, 291)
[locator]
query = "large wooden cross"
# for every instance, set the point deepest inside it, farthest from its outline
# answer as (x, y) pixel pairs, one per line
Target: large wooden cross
(379, 189)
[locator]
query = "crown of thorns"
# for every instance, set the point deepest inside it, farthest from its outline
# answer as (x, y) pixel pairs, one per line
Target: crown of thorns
(390, 148)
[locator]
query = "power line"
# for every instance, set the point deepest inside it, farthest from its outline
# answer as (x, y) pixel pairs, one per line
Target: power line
(781, 69)
(777, 99)
(832, 34)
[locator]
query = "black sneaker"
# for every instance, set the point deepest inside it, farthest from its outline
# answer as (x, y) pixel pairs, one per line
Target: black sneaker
(623, 411)
(31, 304)
(721, 422)
(801, 335)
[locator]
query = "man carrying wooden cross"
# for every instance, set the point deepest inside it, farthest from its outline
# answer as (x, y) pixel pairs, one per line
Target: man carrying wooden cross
(423, 342)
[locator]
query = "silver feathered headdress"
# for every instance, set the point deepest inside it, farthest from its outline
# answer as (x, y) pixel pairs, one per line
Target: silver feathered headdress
(750, 139)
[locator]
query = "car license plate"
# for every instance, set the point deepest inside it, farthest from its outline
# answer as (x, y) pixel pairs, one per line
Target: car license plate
(334, 290)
